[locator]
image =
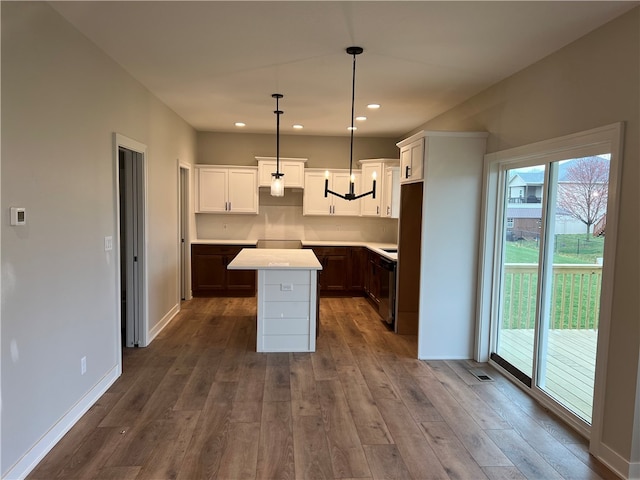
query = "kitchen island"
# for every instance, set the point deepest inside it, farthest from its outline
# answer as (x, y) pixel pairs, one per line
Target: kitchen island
(287, 297)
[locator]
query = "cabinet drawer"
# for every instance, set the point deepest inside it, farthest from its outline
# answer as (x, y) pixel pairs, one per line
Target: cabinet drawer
(278, 277)
(278, 293)
(286, 326)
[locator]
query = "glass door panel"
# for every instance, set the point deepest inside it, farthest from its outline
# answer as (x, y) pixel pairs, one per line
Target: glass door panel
(522, 213)
(570, 307)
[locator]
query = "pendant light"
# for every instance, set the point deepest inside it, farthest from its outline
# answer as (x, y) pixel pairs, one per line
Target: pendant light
(351, 195)
(277, 182)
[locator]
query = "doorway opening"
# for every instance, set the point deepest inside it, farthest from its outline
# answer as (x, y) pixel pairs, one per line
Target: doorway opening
(183, 232)
(131, 241)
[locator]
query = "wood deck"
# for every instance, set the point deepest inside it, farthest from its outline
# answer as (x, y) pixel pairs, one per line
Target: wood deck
(570, 367)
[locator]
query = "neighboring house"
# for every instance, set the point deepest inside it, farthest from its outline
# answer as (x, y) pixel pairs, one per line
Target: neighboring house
(524, 205)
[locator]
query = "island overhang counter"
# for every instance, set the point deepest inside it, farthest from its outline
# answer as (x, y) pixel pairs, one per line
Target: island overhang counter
(287, 284)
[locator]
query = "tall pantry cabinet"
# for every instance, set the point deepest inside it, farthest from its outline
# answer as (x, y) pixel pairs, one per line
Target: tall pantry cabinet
(437, 301)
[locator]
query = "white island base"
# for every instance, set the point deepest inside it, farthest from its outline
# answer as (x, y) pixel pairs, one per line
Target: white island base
(287, 297)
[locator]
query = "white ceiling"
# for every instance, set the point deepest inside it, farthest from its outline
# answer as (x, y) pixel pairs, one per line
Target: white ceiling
(215, 63)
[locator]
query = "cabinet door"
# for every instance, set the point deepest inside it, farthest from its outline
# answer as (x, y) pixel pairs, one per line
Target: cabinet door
(341, 185)
(293, 174)
(374, 281)
(391, 193)
(243, 191)
(411, 161)
(357, 267)
(335, 265)
(371, 206)
(265, 169)
(208, 274)
(240, 282)
(334, 278)
(212, 190)
(314, 202)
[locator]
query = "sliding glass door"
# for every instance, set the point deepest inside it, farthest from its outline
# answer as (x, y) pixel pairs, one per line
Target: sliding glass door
(552, 225)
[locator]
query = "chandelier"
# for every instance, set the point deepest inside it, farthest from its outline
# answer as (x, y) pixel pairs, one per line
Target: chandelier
(351, 195)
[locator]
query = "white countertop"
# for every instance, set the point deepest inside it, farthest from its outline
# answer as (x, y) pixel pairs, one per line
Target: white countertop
(224, 242)
(275, 259)
(373, 246)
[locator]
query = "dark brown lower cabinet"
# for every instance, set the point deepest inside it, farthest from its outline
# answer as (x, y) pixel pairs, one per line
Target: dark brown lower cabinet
(374, 275)
(334, 276)
(209, 274)
(346, 271)
(357, 266)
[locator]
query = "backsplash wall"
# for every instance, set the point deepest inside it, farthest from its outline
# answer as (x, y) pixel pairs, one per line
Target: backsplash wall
(282, 219)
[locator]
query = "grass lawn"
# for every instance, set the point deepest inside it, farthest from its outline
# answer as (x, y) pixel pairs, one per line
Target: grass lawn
(568, 249)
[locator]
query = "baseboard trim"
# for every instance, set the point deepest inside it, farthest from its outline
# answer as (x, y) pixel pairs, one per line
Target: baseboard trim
(153, 333)
(30, 460)
(619, 466)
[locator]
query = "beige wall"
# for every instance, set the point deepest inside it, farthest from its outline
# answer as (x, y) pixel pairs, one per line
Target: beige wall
(321, 152)
(62, 100)
(592, 82)
(282, 218)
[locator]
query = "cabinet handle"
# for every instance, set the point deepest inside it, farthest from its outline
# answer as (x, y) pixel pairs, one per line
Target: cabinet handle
(229, 206)
(388, 210)
(406, 171)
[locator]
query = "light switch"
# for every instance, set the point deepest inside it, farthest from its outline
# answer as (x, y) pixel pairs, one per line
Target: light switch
(108, 243)
(18, 216)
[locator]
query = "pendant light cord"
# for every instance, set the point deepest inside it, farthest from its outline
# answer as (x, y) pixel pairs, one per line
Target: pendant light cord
(278, 112)
(353, 99)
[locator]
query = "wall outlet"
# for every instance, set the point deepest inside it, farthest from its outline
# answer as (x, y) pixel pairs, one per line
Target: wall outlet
(286, 287)
(83, 365)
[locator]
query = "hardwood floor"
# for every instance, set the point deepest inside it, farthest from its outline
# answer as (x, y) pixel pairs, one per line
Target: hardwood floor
(200, 403)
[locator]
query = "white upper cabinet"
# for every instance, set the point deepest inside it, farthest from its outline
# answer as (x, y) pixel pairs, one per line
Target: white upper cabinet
(374, 207)
(292, 168)
(226, 189)
(391, 193)
(412, 153)
(314, 201)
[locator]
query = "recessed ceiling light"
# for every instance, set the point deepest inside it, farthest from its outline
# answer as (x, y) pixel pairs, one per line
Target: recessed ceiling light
(240, 124)
(352, 128)
(373, 106)
(297, 126)
(361, 118)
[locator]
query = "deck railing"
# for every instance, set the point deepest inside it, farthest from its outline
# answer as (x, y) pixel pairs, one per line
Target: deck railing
(575, 299)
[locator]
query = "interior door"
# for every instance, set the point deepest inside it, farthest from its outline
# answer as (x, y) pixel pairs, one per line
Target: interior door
(183, 207)
(131, 243)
